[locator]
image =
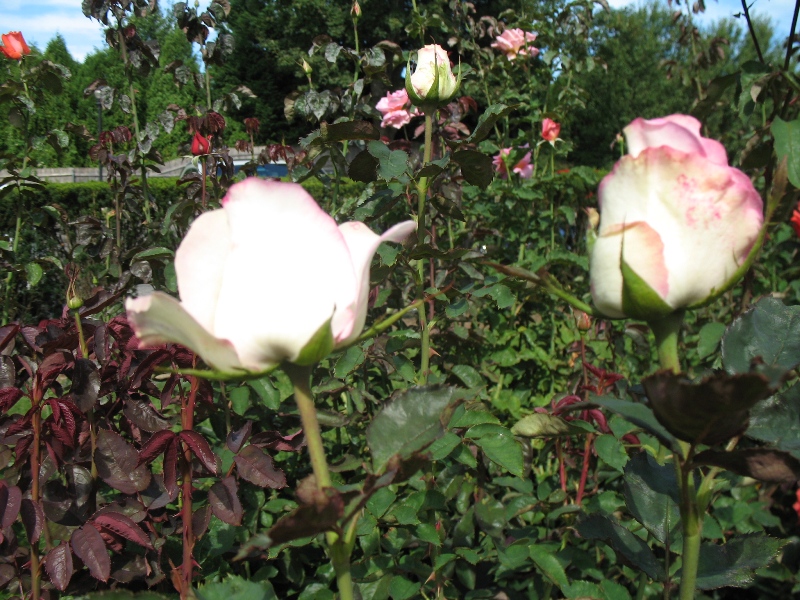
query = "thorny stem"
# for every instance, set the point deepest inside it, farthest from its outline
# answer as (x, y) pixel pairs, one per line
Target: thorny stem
(667, 331)
(187, 424)
(787, 59)
(752, 31)
(422, 193)
(339, 548)
(90, 412)
(132, 92)
(36, 424)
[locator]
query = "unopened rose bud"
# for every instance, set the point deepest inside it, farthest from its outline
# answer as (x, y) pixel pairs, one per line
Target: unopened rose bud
(200, 145)
(432, 84)
(306, 67)
(74, 303)
(582, 320)
(14, 46)
(356, 10)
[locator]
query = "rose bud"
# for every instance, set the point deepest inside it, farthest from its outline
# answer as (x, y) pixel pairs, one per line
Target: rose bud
(14, 46)
(432, 84)
(200, 145)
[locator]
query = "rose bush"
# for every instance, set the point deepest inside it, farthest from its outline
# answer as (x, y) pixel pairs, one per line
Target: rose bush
(676, 221)
(515, 42)
(14, 46)
(432, 83)
(267, 278)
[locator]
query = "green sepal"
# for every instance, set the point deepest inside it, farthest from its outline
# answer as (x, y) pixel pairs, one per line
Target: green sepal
(432, 101)
(318, 347)
(639, 300)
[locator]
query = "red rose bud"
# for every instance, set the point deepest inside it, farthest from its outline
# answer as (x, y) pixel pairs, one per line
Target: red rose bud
(795, 220)
(14, 46)
(200, 145)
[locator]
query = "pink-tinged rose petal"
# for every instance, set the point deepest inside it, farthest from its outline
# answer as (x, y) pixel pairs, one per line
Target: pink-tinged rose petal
(200, 264)
(363, 244)
(396, 119)
(681, 132)
(287, 272)
(524, 168)
(393, 101)
(159, 319)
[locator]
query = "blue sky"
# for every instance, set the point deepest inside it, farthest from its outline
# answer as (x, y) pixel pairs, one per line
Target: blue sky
(40, 20)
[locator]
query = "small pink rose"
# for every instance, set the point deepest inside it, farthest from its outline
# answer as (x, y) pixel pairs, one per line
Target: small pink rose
(523, 167)
(550, 130)
(515, 42)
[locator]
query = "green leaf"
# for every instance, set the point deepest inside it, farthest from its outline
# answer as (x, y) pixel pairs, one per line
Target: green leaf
(469, 376)
(486, 122)
(128, 595)
(499, 445)
(541, 425)
(237, 588)
(476, 167)
(543, 556)
(364, 167)
(152, 253)
(787, 146)
(611, 451)
(634, 549)
(349, 361)
(639, 300)
(33, 273)
(393, 166)
(734, 564)
(401, 588)
(240, 399)
(710, 336)
(775, 421)
(769, 332)
(410, 422)
(651, 494)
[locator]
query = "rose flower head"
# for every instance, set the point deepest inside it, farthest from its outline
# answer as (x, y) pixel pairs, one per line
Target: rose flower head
(14, 46)
(432, 84)
(515, 42)
(267, 278)
(676, 222)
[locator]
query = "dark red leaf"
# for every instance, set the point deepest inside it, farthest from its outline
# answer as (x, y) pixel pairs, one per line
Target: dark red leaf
(85, 384)
(88, 545)
(257, 467)
(122, 526)
(51, 367)
(21, 425)
(58, 564)
(144, 416)
(10, 500)
(200, 521)
(7, 333)
(62, 435)
(200, 448)
(224, 500)
(157, 443)
(9, 397)
(145, 368)
(236, 439)
(32, 519)
(274, 440)
(171, 468)
(118, 464)
(53, 404)
(309, 519)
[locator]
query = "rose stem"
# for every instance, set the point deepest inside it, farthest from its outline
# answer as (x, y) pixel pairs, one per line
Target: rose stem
(422, 193)
(339, 549)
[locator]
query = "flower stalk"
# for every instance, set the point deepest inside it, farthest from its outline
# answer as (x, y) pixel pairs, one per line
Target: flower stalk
(422, 195)
(339, 548)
